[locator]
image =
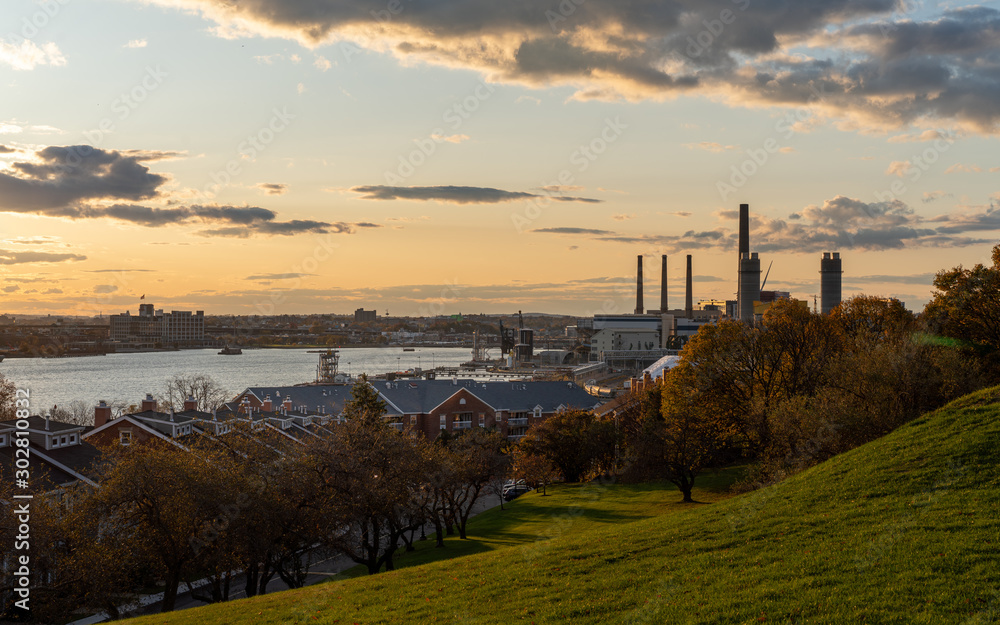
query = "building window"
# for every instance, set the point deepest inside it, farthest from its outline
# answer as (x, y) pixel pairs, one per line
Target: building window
(482, 420)
(461, 401)
(125, 437)
(63, 440)
(72, 439)
(444, 422)
(538, 412)
(413, 419)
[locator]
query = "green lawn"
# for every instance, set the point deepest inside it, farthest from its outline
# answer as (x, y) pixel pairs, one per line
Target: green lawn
(566, 509)
(903, 530)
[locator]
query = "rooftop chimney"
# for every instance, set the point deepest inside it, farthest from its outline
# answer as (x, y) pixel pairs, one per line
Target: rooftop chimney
(639, 309)
(190, 403)
(102, 414)
(287, 404)
(266, 405)
(663, 287)
(689, 296)
(149, 403)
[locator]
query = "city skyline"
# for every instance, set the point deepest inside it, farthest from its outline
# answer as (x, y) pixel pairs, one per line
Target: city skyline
(290, 157)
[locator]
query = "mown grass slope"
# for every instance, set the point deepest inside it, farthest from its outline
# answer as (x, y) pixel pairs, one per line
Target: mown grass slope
(903, 530)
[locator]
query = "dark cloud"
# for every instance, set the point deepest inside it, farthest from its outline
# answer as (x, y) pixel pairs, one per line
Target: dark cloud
(83, 182)
(105, 288)
(5, 150)
(568, 230)
(457, 195)
(836, 224)
(283, 228)
(273, 188)
(866, 63)
(120, 270)
(11, 288)
(279, 276)
(8, 257)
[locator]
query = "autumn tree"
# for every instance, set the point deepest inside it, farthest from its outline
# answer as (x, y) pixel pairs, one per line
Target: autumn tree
(371, 475)
(8, 390)
(160, 498)
(535, 469)
(575, 442)
(476, 457)
(208, 393)
(966, 306)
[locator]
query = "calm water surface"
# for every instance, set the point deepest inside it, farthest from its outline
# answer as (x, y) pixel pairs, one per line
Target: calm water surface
(58, 381)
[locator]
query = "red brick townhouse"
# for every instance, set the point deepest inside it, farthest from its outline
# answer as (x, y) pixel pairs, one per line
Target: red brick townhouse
(430, 406)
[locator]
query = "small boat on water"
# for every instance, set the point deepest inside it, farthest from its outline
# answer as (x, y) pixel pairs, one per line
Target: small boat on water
(409, 349)
(230, 351)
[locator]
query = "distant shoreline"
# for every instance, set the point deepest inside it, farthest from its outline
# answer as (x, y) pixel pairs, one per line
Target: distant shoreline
(188, 349)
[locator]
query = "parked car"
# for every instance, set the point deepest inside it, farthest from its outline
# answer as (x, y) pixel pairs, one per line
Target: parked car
(514, 491)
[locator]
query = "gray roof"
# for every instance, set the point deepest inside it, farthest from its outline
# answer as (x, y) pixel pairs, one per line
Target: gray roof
(38, 424)
(422, 396)
(331, 397)
(417, 396)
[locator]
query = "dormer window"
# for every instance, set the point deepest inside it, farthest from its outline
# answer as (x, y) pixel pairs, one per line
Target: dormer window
(72, 439)
(461, 401)
(3, 440)
(538, 412)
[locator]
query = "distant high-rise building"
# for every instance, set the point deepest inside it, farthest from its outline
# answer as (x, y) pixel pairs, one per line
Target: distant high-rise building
(364, 316)
(150, 326)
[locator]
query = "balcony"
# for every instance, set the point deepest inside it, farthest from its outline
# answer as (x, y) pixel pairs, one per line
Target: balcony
(515, 437)
(461, 425)
(520, 421)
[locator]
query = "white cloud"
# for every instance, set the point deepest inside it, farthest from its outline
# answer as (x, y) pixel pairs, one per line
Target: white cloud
(136, 43)
(28, 55)
(322, 63)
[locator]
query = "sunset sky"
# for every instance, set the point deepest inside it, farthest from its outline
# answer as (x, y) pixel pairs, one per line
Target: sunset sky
(431, 156)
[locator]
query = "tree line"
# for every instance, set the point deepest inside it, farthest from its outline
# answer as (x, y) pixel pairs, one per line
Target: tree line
(246, 508)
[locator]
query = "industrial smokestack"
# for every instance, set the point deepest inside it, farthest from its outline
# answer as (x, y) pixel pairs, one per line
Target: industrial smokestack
(744, 229)
(743, 242)
(639, 309)
(749, 285)
(830, 270)
(664, 300)
(689, 295)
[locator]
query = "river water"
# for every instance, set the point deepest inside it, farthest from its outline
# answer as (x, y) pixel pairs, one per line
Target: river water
(128, 377)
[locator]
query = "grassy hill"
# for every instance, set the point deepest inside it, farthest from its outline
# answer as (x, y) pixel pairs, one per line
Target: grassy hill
(902, 530)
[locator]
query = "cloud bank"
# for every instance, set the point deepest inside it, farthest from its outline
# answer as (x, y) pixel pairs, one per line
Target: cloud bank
(855, 60)
(83, 182)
